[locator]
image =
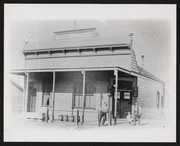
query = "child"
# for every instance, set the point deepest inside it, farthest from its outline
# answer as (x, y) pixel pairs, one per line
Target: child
(129, 118)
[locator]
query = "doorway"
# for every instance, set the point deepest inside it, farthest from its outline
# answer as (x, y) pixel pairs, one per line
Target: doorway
(31, 105)
(124, 102)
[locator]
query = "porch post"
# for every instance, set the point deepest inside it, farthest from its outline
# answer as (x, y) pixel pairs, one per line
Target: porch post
(53, 95)
(116, 88)
(83, 100)
(27, 91)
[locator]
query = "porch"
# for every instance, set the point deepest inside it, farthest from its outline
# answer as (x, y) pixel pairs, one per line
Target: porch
(66, 91)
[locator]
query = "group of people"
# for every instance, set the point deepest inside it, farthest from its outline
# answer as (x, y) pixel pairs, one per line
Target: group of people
(136, 115)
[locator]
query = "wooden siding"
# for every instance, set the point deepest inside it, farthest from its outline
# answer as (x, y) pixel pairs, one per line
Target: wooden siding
(16, 98)
(134, 62)
(123, 61)
(147, 97)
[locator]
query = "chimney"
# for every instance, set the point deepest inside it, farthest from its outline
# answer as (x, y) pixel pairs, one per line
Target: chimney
(142, 61)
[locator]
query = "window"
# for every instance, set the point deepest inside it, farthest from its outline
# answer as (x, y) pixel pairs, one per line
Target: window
(158, 99)
(127, 95)
(124, 85)
(89, 95)
(46, 98)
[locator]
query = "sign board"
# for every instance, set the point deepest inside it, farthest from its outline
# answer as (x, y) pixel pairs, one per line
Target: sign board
(126, 95)
(118, 95)
(135, 91)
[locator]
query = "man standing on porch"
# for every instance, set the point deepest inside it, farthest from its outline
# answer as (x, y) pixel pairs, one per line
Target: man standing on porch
(102, 113)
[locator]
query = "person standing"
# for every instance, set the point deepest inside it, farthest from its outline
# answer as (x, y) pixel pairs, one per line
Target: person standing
(47, 111)
(102, 113)
(137, 113)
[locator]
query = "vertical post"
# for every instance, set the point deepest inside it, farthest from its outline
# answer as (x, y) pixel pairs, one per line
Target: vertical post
(110, 110)
(53, 95)
(24, 94)
(72, 104)
(77, 117)
(131, 35)
(116, 88)
(83, 101)
(27, 92)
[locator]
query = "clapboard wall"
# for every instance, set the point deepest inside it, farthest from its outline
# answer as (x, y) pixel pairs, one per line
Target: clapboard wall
(147, 97)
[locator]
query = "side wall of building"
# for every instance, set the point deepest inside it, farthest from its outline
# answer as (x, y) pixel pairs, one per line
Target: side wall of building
(151, 104)
(16, 98)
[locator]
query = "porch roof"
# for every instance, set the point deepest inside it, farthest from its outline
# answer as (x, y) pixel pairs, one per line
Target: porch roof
(24, 71)
(141, 72)
(147, 74)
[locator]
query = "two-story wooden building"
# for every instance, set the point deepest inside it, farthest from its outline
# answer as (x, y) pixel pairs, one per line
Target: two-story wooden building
(74, 70)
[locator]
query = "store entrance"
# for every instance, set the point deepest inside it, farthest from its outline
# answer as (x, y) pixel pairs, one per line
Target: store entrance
(124, 102)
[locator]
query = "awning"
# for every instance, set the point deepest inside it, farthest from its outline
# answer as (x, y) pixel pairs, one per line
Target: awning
(23, 71)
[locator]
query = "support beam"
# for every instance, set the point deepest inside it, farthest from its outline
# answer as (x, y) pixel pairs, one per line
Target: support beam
(83, 100)
(53, 95)
(110, 110)
(27, 92)
(116, 88)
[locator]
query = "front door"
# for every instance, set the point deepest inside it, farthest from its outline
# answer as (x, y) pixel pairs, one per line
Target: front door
(31, 105)
(124, 102)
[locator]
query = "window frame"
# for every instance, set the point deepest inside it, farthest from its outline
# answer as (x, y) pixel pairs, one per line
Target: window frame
(50, 99)
(158, 100)
(86, 95)
(44, 93)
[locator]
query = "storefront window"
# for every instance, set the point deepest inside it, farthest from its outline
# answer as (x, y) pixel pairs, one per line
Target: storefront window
(125, 85)
(89, 95)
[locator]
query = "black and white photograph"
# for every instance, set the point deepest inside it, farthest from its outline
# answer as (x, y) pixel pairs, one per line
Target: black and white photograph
(89, 73)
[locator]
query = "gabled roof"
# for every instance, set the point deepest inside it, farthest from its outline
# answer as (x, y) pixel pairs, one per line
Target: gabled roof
(145, 73)
(141, 71)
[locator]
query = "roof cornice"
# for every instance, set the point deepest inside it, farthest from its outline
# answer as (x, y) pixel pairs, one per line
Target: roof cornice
(93, 47)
